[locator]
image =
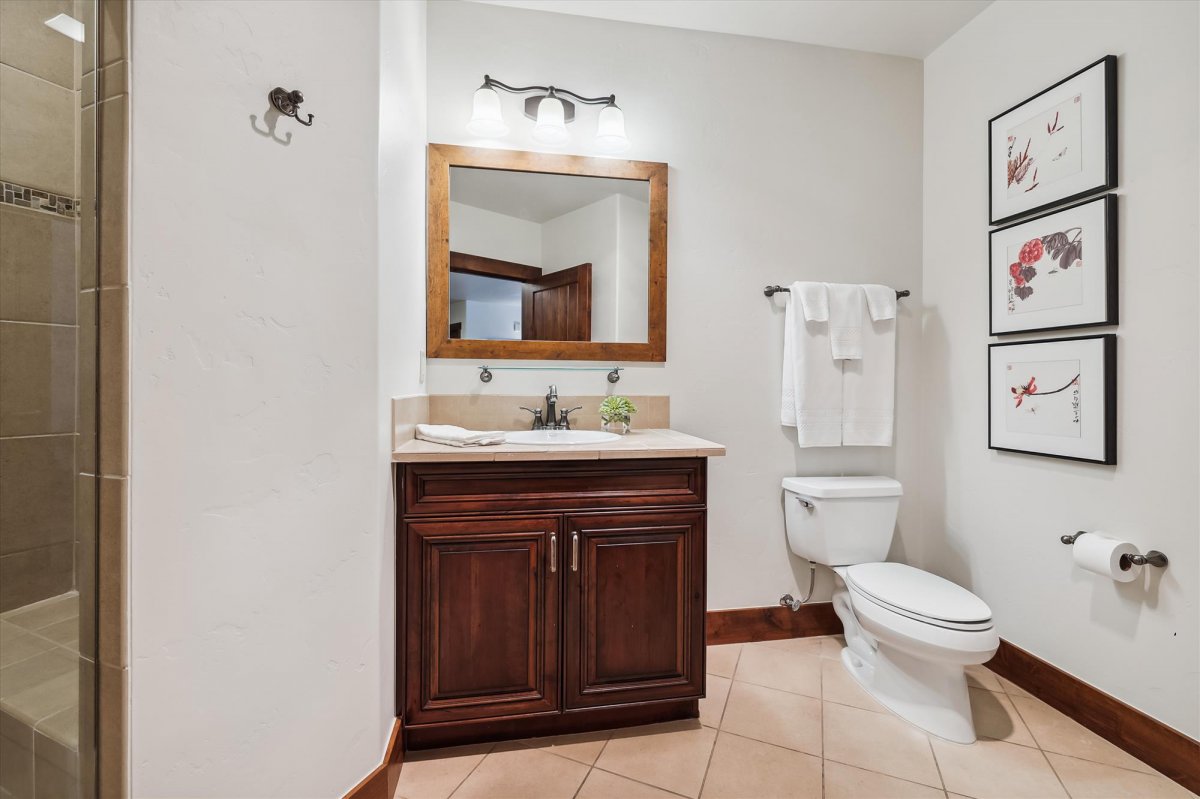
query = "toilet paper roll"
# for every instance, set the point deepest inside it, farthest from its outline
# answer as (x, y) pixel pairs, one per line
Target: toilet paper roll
(1102, 554)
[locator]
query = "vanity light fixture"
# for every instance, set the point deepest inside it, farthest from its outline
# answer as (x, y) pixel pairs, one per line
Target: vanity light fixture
(551, 111)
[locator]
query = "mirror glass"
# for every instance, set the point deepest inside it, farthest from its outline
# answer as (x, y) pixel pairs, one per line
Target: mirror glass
(547, 257)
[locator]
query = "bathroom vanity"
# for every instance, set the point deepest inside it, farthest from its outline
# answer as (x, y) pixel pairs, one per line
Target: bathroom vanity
(552, 590)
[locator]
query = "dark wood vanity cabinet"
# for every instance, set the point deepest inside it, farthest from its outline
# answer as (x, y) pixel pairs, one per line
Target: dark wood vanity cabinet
(542, 597)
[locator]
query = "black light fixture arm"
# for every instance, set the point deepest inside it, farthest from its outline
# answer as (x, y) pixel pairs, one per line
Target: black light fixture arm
(492, 83)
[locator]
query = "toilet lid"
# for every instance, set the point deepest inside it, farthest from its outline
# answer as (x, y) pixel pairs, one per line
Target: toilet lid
(918, 592)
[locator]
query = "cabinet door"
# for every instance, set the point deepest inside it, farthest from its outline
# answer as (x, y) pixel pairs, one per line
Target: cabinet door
(634, 623)
(482, 629)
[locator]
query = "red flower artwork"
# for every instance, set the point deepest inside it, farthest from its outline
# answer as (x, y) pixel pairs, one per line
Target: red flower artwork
(1031, 252)
(1030, 389)
(1067, 251)
(1019, 394)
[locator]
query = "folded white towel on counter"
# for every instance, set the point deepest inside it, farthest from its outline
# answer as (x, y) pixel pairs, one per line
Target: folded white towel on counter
(869, 387)
(845, 320)
(458, 436)
(812, 380)
(881, 301)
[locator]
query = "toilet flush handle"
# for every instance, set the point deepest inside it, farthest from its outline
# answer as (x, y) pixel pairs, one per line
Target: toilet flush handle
(807, 505)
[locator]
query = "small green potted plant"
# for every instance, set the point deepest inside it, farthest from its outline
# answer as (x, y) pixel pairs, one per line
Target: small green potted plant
(616, 412)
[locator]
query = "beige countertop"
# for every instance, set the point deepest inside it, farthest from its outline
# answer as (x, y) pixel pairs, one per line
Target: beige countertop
(635, 444)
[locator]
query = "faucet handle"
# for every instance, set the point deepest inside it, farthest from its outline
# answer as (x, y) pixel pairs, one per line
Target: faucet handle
(563, 422)
(538, 423)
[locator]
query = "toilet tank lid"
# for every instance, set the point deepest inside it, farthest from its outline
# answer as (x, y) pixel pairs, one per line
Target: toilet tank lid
(843, 487)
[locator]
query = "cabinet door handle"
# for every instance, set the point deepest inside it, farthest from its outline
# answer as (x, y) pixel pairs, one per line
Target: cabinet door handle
(554, 552)
(574, 552)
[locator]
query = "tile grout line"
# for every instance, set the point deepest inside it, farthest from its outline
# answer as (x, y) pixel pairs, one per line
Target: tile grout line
(937, 765)
(491, 748)
(1045, 758)
(640, 782)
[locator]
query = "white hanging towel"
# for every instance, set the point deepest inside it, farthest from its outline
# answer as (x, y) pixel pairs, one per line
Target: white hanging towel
(869, 384)
(812, 380)
(846, 302)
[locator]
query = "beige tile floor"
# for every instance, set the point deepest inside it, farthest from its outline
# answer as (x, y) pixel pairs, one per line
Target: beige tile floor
(784, 719)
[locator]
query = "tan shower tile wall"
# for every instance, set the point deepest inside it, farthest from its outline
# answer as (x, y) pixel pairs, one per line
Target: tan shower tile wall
(30, 46)
(37, 132)
(37, 266)
(110, 116)
(39, 79)
(503, 411)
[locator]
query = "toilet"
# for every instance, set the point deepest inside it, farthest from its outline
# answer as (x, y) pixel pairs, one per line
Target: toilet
(909, 634)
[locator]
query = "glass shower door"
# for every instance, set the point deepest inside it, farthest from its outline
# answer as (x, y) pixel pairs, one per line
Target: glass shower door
(48, 316)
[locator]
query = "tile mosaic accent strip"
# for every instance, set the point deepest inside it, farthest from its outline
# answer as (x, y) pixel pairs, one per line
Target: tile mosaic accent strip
(38, 200)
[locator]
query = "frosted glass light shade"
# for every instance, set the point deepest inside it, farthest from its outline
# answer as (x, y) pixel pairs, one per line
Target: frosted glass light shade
(610, 130)
(551, 125)
(487, 119)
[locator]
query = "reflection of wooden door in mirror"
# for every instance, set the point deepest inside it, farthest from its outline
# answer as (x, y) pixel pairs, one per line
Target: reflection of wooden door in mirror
(558, 306)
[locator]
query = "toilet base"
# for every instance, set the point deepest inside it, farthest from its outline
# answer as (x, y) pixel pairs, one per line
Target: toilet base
(930, 693)
(931, 696)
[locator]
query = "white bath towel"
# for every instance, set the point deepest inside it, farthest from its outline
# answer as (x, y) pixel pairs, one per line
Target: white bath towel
(458, 436)
(814, 300)
(869, 387)
(812, 380)
(881, 301)
(846, 301)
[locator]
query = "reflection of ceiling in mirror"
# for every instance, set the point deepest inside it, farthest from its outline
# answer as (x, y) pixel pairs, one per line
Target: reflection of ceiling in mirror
(537, 197)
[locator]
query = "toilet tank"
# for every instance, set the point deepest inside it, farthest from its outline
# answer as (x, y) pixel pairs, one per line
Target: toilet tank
(841, 521)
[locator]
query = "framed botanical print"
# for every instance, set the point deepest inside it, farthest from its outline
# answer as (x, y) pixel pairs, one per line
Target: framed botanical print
(1039, 278)
(1055, 397)
(1056, 147)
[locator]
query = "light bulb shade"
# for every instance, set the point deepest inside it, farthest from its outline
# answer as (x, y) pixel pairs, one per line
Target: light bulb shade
(487, 119)
(551, 124)
(610, 130)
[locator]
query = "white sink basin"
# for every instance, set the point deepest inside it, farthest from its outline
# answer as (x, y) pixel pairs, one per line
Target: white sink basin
(559, 438)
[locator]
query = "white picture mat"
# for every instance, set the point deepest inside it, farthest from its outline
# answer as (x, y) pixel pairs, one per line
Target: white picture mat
(1091, 85)
(1090, 444)
(1092, 217)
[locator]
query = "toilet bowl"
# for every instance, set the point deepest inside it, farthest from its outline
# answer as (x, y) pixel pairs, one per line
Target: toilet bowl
(909, 634)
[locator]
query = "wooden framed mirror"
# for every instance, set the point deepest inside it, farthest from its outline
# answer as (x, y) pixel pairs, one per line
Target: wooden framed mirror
(545, 257)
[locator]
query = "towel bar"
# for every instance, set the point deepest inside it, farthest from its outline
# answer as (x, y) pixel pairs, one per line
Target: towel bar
(771, 290)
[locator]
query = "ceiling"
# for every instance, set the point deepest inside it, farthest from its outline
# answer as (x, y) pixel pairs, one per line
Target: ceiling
(537, 197)
(913, 28)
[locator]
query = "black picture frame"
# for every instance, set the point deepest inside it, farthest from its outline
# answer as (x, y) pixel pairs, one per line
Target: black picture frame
(1109, 64)
(1111, 267)
(1109, 422)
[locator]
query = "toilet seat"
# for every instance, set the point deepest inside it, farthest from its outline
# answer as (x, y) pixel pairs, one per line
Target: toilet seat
(918, 595)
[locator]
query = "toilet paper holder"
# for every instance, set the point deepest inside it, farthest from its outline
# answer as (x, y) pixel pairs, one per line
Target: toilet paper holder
(1151, 558)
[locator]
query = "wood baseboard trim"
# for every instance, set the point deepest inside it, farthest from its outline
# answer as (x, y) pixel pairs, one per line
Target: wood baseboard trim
(1154, 743)
(381, 783)
(742, 625)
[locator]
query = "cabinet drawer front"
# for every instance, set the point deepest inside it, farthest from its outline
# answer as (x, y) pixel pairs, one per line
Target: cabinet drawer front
(482, 618)
(635, 607)
(455, 488)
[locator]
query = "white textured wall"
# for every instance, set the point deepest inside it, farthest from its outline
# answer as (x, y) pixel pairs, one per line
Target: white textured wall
(633, 259)
(991, 520)
(787, 162)
(261, 565)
